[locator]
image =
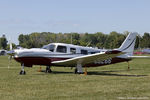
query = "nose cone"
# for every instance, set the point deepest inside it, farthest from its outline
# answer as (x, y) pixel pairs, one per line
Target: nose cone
(11, 53)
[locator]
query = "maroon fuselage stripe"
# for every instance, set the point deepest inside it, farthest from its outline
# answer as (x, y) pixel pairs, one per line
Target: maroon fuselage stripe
(113, 61)
(29, 61)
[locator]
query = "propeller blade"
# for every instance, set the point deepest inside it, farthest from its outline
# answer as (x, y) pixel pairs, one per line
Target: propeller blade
(11, 53)
(10, 45)
(9, 59)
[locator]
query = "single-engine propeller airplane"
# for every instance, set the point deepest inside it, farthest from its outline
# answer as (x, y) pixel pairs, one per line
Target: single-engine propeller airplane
(68, 55)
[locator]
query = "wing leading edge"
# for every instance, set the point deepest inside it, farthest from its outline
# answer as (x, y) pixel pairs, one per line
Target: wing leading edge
(87, 59)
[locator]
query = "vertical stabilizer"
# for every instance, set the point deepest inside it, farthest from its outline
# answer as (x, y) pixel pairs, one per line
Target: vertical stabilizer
(128, 44)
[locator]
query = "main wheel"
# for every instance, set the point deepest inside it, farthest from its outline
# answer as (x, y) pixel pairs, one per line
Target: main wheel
(22, 72)
(49, 71)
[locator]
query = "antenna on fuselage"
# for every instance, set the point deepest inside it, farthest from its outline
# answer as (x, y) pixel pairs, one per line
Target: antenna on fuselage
(71, 38)
(88, 44)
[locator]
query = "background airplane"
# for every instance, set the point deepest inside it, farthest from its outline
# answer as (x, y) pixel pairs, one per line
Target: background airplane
(68, 55)
(3, 52)
(146, 51)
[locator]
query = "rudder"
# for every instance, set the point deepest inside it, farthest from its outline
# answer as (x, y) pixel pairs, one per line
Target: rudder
(128, 44)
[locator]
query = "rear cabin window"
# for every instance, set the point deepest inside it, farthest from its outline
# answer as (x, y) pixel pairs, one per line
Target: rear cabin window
(84, 52)
(62, 49)
(73, 50)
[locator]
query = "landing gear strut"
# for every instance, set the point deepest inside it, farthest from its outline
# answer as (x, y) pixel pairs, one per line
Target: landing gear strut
(22, 72)
(78, 69)
(48, 70)
(75, 71)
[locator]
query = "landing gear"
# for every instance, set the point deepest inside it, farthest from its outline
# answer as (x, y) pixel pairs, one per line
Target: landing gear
(48, 70)
(22, 72)
(78, 69)
(75, 71)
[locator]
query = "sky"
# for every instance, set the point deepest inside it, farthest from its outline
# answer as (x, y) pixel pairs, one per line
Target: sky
(27, 16)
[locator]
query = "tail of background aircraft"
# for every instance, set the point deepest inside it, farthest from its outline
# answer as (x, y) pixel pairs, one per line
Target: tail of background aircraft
(128, 44)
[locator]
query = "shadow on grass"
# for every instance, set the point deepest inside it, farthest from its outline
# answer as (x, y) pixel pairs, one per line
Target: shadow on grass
(108, 73)
(53, 72)
(104, 73)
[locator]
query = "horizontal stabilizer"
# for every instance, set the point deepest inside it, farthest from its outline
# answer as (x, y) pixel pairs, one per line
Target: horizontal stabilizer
(139, 57)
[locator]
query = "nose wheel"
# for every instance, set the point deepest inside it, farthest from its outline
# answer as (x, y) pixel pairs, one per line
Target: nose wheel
(22, 72)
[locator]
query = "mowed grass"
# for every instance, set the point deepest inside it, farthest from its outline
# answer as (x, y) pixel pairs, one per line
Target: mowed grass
(112, 82)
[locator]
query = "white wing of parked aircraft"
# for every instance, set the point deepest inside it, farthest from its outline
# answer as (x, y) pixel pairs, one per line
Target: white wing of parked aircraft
(87, 59)
(139, 57)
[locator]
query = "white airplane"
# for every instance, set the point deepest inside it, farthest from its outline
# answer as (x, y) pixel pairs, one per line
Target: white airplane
(68, 55)
(3, 52)
(146, 51)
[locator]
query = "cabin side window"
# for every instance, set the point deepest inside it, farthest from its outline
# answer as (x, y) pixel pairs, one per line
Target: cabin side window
(73, 50)
(95, 52)
(84, 52)
(62, 49)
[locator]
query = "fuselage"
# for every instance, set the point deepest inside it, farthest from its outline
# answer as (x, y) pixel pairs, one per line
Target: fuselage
(60, 51)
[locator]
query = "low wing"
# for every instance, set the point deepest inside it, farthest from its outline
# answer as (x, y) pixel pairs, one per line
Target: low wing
(139, 57)
(87, 59)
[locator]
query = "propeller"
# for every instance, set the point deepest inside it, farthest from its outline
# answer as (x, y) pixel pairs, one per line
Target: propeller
(9, 59)
(10, 45)
(11, 53)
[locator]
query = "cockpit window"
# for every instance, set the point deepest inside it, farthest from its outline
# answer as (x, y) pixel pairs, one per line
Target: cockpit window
(45, 47)
(62, 49)
(49, 47)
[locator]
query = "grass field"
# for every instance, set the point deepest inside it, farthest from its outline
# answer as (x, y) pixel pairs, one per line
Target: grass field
(111, 82)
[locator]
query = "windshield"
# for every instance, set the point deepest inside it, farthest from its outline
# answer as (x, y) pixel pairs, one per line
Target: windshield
(50, 47)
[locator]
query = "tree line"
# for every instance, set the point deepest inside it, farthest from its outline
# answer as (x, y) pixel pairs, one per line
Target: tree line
(98, 39)
(3, 43)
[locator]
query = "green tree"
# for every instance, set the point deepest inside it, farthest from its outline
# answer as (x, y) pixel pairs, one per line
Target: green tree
(3, 43)
(99, 39)
(145, 41)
